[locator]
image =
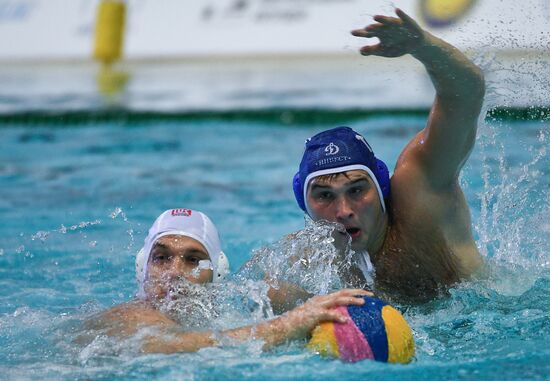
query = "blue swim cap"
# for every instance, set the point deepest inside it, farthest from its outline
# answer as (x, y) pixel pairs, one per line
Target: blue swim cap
(338, 150)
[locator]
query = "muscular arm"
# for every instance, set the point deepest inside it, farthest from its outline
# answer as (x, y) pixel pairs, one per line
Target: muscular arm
(446, 142)
(428, 204)
(164, 337)
(441, 148)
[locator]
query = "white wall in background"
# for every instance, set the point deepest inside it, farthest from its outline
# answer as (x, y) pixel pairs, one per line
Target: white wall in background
(63, 29)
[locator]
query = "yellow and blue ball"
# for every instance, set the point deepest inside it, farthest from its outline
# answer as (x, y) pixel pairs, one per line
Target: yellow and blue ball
(375, 331)
(443, 13)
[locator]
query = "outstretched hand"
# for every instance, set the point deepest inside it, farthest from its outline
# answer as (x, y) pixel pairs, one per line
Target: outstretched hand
(398, 35)
(323, 308)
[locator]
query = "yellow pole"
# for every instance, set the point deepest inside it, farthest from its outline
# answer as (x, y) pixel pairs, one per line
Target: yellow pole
(108, 48)
(109, 31)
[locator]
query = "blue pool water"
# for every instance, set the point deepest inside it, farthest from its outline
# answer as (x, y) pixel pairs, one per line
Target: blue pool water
(76, 202)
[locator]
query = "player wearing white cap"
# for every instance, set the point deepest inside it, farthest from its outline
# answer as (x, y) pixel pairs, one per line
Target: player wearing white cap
(183, 244)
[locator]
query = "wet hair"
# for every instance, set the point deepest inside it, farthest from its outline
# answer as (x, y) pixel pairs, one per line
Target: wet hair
(331, 177)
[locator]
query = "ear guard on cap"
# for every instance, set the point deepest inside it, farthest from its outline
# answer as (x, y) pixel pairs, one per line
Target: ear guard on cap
(298, 192)
(223, 268)
(140, 266)
(383, 177)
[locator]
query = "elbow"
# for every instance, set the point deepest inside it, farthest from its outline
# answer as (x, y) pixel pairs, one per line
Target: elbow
(467, 88)
(470, 93)
(476, 81)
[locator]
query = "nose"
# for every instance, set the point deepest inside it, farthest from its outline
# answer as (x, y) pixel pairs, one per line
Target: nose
(344, 210)
(177, 268)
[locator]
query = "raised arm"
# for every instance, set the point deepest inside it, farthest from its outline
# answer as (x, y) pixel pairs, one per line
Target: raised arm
(165, 338)
(441, 148)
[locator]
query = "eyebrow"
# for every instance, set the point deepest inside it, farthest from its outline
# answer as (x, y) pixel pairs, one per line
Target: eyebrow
(160, 245)
(316, 186)
(163, 246)
(196, 251)
(361, 179)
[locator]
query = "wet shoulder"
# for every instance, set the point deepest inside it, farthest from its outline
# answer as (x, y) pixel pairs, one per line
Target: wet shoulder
(127, 318)
(416, 205)
(435, 220)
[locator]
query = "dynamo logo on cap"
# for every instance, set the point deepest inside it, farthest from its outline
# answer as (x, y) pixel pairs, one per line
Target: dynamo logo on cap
(332, 149)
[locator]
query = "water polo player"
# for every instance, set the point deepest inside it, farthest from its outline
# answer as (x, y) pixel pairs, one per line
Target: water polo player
(182, 251)
(415, 227)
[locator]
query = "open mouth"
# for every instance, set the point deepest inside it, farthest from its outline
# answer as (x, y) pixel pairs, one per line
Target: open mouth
(353, 232)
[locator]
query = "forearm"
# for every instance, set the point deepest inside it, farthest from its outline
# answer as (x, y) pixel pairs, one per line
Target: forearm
(272, 333)
(286, 296)
(294, 325)
(452, 73)
(178, 342)
(298, 323)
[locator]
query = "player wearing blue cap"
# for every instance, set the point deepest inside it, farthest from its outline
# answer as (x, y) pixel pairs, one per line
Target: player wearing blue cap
(415, 227)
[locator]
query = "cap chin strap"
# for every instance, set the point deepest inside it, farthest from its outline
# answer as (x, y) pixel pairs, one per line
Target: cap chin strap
(330, 171)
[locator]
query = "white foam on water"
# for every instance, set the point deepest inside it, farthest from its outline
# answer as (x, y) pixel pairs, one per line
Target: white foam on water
(307, 258)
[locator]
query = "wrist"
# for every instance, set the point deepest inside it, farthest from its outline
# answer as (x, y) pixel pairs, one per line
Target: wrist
(424, 45)
(296, 324)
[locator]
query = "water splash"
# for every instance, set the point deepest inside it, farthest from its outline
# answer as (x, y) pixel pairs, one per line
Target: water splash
(209, 307)
(131, 242)
(308, 258)
(118, 212)
(514, 204)
(81, 225)
(216, 306)
(40, 235)
(191, 305)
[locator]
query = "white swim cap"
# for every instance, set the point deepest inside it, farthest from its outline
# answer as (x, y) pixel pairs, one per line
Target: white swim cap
(188, 223)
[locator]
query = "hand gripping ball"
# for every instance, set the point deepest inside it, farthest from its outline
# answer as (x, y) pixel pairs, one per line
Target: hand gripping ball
(375, 331)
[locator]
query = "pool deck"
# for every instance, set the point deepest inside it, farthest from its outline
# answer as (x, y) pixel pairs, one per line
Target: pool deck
(329, 82)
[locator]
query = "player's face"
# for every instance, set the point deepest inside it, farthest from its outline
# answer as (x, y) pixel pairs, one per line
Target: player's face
(174, 257)
(351, 199)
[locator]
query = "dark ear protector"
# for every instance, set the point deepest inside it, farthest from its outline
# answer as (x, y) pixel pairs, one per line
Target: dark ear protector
(383, 177)
(299, 191)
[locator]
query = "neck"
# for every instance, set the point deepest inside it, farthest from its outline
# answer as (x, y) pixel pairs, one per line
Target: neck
(379, 238)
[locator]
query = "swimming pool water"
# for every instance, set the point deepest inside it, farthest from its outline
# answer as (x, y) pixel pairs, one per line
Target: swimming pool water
(76, 202)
